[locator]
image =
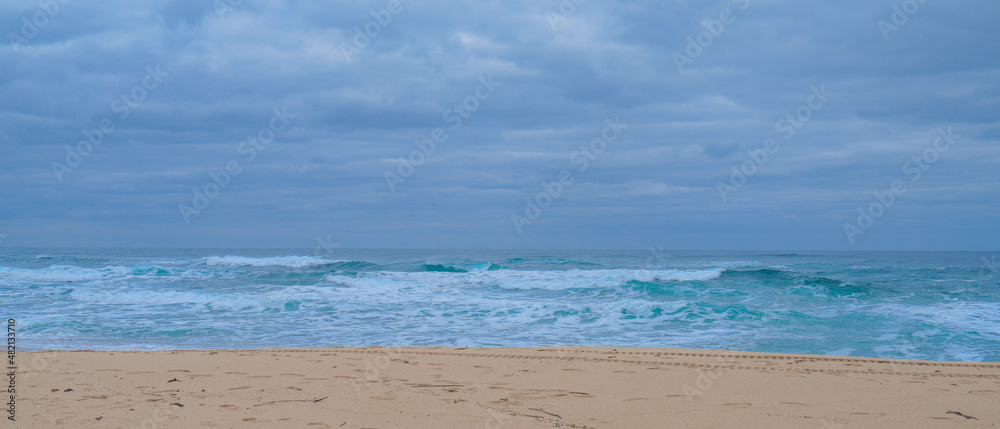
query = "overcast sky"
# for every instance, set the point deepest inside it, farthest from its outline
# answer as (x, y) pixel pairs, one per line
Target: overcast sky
(839, 95)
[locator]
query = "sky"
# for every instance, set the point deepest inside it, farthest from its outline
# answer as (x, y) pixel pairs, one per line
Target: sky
(576, 124)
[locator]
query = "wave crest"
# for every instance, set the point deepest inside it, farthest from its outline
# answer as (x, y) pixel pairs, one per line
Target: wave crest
(276, 261)
(517, 279)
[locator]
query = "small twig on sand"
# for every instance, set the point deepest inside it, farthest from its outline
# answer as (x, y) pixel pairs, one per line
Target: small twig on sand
(293, 400)
(960, 414)
(546, 412)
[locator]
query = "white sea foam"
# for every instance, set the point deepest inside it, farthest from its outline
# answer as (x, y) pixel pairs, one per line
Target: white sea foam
(156, 300)
(515, 279)
(61, 273)
(981, 317)
(75, 274)
(277, 261)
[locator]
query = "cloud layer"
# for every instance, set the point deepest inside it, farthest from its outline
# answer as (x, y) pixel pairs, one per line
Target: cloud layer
(703, 88)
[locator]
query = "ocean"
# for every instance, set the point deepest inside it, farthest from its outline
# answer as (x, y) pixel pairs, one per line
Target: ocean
(913, 305)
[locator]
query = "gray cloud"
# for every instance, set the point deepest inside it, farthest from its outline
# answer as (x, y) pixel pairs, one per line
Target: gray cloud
(356, 119)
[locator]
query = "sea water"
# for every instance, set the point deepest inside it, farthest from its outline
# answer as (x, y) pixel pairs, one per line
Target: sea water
(915, 305)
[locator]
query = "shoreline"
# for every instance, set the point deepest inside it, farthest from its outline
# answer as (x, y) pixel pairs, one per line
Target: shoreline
(592, 387)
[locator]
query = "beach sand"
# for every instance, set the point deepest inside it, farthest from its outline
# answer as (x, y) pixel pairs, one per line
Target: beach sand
(436, 387)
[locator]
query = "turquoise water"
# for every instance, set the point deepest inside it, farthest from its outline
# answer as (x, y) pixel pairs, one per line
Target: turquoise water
(916, 305)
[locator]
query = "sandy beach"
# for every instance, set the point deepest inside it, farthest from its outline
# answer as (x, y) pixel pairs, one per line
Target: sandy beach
(590, 387)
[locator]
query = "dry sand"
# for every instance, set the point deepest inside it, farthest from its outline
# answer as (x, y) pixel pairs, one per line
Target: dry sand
(592, 387)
